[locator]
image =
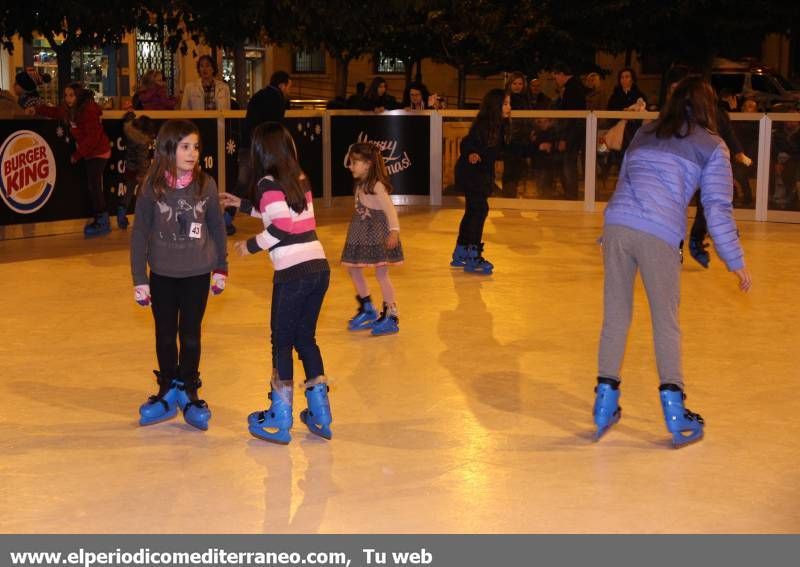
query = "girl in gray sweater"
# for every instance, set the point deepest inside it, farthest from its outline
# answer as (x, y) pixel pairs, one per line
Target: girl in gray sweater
(180, 233)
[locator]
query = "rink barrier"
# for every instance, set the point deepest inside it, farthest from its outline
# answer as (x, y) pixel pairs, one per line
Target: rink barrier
(417, 153)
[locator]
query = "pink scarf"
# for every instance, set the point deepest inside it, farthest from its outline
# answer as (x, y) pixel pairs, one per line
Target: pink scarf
(182, 181)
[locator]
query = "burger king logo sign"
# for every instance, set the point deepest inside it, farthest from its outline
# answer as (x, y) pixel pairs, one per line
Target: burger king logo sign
(27, 172)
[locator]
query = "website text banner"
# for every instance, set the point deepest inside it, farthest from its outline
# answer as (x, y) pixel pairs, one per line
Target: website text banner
(397, 550)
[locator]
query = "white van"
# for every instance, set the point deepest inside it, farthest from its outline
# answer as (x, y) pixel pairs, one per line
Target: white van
(750, 79)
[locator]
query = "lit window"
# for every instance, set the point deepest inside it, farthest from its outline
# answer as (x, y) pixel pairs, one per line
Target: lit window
(309, 62)
(386, 65)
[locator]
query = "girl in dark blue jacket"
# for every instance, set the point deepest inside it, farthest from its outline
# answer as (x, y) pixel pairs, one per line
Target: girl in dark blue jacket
(475, 178)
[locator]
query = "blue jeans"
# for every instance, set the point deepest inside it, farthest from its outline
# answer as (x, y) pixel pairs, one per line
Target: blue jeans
(295, 309)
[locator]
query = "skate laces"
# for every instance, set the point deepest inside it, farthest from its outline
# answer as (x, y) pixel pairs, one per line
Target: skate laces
(152, 400)
(322, 379)
(692, 416)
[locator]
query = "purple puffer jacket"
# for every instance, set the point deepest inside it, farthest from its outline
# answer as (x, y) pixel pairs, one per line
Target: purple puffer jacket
(658, 178)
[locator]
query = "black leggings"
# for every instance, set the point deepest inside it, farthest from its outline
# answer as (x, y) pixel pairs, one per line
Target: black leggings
(476, 190)
(178, 307)
(699, 226)
(94, 179)
(476, 210)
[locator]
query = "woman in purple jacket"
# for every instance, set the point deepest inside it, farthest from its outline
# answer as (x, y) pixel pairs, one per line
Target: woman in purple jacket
(645, 223)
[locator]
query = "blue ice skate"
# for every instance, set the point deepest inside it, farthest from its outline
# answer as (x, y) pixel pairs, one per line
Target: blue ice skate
(162, 406)
(230, 228)
(388, 323)
(460, 256)
(195, 410)
(274, 424)
(697, 249)
(365, 317)
(686, 426)
(100, 226)
(476, 263)
(318, 415)
(122, 218)
(606, 410)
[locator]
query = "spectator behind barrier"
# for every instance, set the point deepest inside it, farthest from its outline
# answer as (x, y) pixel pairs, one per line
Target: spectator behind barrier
(356, 100)
(417, 97)
(208, 92)
(537, 100)
(152, 93)
(570, 143)
(26, 87)
(9, 108)
(377, 98)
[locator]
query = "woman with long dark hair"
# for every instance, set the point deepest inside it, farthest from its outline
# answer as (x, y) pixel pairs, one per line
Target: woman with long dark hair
(645, 222)
(627, 96)
(626, 92)
(514, 164)
(377, 97)
(475, 178)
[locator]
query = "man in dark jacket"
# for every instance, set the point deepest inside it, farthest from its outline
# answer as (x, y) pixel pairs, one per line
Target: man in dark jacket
(267, 105)
(573, 97)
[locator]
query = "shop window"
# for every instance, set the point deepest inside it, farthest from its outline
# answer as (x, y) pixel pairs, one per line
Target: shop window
(95, 68)
(387, 65)
(152, 54)
(254, 58)
(309, 62)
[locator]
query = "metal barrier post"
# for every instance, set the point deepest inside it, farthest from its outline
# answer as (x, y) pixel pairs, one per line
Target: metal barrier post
(221, 185)
(590, 165)
(436, 159)
(327, 173)
(762, 174)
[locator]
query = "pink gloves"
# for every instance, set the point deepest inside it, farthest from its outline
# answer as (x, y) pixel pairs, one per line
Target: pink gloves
(218, 280)
(141, 293)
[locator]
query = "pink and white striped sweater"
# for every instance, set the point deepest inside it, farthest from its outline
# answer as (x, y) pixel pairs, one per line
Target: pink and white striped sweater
(290, 237)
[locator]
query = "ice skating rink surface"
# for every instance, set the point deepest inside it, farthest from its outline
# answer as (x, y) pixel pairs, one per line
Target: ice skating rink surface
(476, 418)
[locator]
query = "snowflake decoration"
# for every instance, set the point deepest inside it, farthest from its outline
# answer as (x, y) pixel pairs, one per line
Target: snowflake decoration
(311, 137)
(318, 129)
(230, 147)
(60, 132)
(299, 127)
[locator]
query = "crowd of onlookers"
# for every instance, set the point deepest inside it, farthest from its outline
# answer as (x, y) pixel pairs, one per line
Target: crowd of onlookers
(541, 156)
(377, 98)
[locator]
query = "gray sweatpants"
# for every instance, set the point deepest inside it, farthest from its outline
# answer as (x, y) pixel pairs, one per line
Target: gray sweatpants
(626, 251)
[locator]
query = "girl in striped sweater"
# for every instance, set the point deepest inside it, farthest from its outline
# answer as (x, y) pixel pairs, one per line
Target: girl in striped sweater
(282, 200)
